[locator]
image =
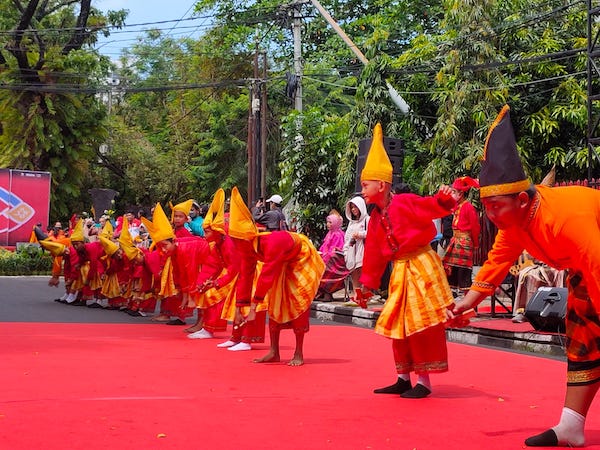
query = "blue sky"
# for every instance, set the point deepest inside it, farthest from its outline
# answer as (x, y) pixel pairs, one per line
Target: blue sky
(146, 11)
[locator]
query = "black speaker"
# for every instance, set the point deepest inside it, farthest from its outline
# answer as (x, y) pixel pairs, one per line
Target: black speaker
(547, 309)
(395, 150)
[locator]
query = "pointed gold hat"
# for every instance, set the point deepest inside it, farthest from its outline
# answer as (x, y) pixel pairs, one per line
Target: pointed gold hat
(241, 224)
(77, 234)
(377, 166)
(160, 228)
(110, 247)
(184, 207)
(215, 217)
(55, 248)
(126, 241)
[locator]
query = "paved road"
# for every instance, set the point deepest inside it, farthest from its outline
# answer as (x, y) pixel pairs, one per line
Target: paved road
(30, 299)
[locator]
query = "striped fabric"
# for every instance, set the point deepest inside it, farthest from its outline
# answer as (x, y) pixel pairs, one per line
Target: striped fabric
(460, 251)
(167, 282)
(229, 306)
(418, 296)
(110, 286)
(213, 296)
(82, 277)
(296, 287)
(582, 330)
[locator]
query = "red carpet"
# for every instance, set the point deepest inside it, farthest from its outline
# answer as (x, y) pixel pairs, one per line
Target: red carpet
(74, 386)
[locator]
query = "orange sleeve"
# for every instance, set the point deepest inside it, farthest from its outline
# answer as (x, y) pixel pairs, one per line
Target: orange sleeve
(501, 257)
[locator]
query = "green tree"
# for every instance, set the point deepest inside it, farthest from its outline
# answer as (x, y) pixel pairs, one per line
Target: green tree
(50, 118)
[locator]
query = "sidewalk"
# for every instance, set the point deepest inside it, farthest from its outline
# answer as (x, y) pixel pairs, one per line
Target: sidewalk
(498, 331)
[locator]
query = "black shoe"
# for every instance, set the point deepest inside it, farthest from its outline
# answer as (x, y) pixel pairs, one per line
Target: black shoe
(419, 391)
(134, 313)
(175, 322)
(78, 303)
(546, 439)
(95, 305)
(398, 387)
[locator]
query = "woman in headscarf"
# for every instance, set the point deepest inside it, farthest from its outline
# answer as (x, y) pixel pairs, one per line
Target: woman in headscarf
(332, 253)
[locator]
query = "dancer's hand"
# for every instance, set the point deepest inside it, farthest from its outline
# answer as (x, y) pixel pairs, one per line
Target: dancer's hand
(459, 320)
(251, 315)
(239, 318)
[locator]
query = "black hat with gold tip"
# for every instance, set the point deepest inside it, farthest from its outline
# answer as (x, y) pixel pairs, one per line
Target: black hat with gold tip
(501, 169)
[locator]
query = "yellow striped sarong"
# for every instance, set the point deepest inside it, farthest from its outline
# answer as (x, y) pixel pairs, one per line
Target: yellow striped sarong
(167, 281)
(110, 286)
(213, 296)
(297, 284)
(82, 277)
(418, 296)
(229, 306)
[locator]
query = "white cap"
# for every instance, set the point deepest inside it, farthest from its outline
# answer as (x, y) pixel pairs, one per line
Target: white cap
(275, 199)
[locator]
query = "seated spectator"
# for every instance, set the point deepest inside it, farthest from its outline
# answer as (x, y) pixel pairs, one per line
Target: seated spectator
(354, 242)
(532, 275)
(332, 253)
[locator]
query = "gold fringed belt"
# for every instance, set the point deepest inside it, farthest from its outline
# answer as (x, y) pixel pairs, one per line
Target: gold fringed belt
(411, 255)
(461, 234)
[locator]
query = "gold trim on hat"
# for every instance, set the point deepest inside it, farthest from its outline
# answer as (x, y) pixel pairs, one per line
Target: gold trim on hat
(504, 189)
(505, 109)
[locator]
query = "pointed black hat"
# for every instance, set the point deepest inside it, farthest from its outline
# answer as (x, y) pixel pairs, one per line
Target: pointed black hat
(501, 168)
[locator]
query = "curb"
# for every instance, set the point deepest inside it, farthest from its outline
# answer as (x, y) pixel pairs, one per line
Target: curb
(543, 344)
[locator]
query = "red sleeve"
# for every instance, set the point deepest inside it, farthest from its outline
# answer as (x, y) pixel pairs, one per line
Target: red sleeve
(275, 249)
(232, 262)
(212, 266)
(248, 260)
(189, 257)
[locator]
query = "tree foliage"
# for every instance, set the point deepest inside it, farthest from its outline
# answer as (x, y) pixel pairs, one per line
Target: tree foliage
(50, 121)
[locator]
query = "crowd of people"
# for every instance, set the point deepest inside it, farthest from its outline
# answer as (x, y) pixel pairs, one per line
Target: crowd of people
(241, 266)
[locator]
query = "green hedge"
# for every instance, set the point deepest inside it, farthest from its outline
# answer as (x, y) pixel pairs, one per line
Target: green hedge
(27, 260)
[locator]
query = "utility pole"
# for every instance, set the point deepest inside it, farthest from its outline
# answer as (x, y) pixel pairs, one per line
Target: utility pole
(297, 33)
(263, 130)
(396, 98)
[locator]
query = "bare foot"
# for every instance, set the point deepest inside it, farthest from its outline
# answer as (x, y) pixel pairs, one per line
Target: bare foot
(161, 318)
(269, 357)
(297, 360)
(193, 329)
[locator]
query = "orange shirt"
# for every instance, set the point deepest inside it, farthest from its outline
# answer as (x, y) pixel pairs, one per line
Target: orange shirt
(562, 230)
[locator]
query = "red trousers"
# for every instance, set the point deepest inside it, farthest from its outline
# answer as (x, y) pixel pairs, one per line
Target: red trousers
(422, 352)
(251, 332)
(212, 318)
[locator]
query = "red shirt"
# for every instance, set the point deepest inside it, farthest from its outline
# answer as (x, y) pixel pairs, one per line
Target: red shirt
(403, 228)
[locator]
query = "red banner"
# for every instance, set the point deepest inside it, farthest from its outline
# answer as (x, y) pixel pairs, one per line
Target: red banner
(24, 202)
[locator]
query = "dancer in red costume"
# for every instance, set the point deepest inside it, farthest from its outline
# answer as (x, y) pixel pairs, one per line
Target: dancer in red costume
(181, 260)
(216, 279)
(287, 282)
(400, 230)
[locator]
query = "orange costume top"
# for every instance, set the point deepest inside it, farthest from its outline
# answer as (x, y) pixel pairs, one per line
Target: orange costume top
(563, 230)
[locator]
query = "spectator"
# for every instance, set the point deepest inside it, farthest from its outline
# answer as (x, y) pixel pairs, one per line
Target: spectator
(354, 242)
(333, 256)
(458, 260)
(273, 219)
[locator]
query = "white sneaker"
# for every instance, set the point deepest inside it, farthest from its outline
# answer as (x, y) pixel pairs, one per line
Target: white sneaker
(519, 318)
(240, 347)
(226, 344)
(202, 334)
